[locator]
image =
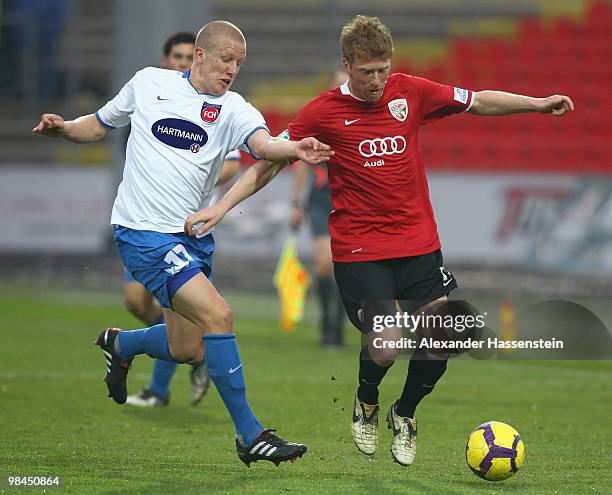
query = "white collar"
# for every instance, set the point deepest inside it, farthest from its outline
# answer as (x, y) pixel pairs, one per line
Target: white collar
(345, 90)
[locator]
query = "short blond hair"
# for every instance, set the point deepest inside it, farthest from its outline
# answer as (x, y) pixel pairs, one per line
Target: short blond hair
(209, 36)
(365, 37)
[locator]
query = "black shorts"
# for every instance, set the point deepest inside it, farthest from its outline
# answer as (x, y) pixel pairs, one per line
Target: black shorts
(414, 280)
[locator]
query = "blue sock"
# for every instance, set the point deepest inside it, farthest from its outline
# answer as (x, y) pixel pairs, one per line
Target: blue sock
(225, 370)
(163, 371)
(152, 341)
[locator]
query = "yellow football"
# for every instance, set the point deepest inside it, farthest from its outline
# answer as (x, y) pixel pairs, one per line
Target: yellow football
(494, 451)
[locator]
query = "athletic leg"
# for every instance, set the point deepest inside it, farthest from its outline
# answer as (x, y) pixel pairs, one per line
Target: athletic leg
(141, 303)
(198, 301)
(367, 288)
(424, 286)
(325, 282)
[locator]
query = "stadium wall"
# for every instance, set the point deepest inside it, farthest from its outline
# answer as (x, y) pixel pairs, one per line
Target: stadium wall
(558, 222)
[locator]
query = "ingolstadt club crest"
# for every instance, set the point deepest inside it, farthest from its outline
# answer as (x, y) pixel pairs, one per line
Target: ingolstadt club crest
(210, 112)
(399, 108)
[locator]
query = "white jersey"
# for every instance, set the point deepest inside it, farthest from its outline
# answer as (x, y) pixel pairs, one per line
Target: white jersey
(233, 155)
(179, 140)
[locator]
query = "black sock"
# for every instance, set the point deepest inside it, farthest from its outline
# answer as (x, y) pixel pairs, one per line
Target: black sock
(324, 290)
(423, 373)
(370, 376)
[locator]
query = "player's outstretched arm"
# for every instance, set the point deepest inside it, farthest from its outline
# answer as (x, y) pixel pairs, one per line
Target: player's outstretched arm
(251, 181)
(491, 103)
(275, 149)
(84, 129)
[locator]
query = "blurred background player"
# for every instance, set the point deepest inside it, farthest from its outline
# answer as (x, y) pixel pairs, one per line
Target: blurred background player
(311, 196)
(177, 55)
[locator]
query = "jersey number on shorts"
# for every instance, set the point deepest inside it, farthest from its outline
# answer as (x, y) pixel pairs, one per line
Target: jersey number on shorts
(173, 258)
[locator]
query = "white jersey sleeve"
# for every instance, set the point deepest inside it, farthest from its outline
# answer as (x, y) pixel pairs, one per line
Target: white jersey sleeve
(247, 120)
(117, 112)
(233, 155)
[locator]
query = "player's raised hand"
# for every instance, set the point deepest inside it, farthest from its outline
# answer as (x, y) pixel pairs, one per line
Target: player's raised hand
(313, 151)
(51, 125)
(557, 105)
(203, 220)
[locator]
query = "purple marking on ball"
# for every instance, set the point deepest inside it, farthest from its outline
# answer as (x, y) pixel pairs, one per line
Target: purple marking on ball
(488, 434)
(513, 467)
(502, 452)
(495, 451)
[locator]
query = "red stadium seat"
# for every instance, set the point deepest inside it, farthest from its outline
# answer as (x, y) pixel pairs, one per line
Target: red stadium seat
(568, 58)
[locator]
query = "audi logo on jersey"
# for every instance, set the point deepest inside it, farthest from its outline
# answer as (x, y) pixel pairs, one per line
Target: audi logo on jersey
(382, 146)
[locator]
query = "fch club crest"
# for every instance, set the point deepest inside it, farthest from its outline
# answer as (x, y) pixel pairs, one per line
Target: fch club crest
(399, 108)
(210, 112)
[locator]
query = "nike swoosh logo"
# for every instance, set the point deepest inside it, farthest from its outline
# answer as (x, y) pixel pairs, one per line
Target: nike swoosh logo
(231, 370)
(396, 431)
(447, 282)
(349, 122)
(162, 99)
(392, 424)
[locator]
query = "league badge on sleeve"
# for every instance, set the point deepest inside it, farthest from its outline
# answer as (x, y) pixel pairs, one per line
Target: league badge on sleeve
(399, 108)
(461, 95)
(210, 112)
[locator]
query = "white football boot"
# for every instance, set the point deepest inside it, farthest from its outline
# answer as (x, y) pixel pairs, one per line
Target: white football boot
(146, 398)
(365, 426)
(200, 381)
(403, 445)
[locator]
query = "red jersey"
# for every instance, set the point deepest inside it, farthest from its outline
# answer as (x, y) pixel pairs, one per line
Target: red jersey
(377, 180)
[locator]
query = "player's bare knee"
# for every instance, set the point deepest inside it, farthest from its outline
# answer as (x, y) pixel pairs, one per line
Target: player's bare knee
(227, 317)
(385, 356)
(136, 307)
(221, 319)
(185, 353)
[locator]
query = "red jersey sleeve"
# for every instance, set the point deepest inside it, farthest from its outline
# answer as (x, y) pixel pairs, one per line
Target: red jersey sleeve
(440, 100)
(305, 123)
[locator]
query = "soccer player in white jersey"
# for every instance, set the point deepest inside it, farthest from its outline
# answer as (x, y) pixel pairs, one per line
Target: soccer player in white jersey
(177, 54)
(183, 126)
(384, 237)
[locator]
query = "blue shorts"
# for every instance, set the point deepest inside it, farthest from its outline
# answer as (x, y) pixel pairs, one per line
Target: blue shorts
(127, 276)
(163, 262)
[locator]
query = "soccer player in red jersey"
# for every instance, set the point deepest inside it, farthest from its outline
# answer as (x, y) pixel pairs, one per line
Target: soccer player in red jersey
(384, 236)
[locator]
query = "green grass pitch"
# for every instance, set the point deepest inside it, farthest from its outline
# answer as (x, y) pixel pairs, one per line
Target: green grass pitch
(56, 420)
